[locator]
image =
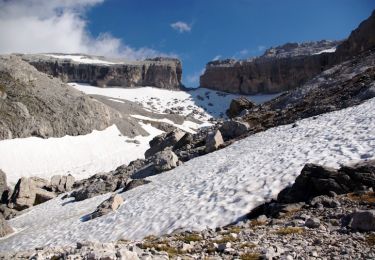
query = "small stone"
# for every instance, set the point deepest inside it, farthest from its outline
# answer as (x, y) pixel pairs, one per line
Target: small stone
(312, 223)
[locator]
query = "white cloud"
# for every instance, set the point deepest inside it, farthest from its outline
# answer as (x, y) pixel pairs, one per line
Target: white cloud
(36, 26)
(181, 26)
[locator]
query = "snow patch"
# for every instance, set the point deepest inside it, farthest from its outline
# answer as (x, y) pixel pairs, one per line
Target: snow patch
(208, 103)
(208, 191)
(330, 50)
(81, 59)
(81, 156)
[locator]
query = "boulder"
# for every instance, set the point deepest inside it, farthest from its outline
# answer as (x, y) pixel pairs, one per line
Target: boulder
(233, 128)
(185, 140)
(312, 223)
(5, 229)
(237, 105)
(363, 220)
(163, 141)
(109, 205)
(213, 141)
(165, 161)
(24, 194)
(28, 192)
(135, 183)
(62, 183)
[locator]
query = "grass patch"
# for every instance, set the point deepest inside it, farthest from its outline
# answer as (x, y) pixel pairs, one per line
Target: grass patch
(161, 247)
(250, 256)
(247, 245)
(290, 230)
(191, 238)
(368, 197)
(257, 223)
(234, 229)
(225, 239)
(370, 240)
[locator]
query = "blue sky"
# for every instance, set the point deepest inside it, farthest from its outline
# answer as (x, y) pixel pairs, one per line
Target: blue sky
(223, 28)
(202, 29)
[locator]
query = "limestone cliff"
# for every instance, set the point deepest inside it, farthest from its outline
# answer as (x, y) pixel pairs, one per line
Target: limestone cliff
(286, 67)
(158, 72)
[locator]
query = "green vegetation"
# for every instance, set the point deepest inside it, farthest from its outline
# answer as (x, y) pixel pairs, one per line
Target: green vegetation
(250, 256)
(290, 230)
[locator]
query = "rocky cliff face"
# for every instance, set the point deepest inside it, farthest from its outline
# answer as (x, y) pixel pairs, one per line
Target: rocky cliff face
(286, 67)
(159, 72)
(35, 104)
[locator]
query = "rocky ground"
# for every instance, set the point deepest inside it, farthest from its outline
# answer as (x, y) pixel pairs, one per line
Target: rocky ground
(333, 226)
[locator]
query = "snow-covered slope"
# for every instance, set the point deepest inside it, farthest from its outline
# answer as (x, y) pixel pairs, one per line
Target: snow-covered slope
(211, 190)
(81, 156)
(81, 59)
(207, 103)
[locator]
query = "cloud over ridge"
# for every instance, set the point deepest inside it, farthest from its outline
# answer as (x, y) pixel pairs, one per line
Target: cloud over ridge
(40, 26)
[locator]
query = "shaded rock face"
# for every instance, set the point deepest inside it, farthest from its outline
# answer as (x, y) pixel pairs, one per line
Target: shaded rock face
(159, 72)
(363, 221)
(4, 190)
(286, 67)
(38, 105)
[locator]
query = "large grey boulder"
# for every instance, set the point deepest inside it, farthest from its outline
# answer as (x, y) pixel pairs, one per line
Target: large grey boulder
(5, 229)
(29, 192)
(109, 205)
(363, 221)
(163, 141)
(233, 128)
(165, 161)
(62, 183)
(213, 141)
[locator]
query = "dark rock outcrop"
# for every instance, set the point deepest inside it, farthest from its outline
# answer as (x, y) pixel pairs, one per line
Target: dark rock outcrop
(238, 105)
(163, 141)
(159, 72)
(316, 180)
(38, 105)
(109, 205)
(286, 67)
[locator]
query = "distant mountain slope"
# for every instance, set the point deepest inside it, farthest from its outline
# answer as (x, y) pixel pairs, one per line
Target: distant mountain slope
(34, 104)
(286, 67)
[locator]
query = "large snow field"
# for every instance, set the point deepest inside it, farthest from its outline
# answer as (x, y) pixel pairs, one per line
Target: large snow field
(210, 103)
(80, 156)
(208, 191)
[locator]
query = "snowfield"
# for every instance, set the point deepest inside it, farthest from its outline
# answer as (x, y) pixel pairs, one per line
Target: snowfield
(81, 156)
(208, 191)
(209, 103)
(81, 59)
